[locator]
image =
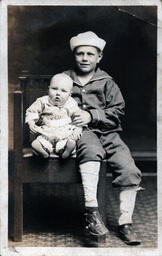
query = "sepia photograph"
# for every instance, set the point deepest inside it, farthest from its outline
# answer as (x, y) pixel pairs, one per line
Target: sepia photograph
(82, 94)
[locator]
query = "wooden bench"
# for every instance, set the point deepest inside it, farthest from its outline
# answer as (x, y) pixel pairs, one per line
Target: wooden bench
(31, 169)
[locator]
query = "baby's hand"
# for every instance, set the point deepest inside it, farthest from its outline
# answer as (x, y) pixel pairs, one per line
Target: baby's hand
(34, 128)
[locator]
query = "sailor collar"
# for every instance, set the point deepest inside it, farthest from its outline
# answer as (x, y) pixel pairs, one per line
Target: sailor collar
(98, 75)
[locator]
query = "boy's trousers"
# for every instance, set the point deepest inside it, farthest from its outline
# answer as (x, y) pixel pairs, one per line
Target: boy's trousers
(124, 171)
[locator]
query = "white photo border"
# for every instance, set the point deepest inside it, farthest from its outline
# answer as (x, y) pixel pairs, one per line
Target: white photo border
(43, 251)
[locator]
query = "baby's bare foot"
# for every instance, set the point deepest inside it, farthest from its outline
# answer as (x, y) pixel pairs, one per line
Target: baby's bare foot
(36, 145)
(70, 145)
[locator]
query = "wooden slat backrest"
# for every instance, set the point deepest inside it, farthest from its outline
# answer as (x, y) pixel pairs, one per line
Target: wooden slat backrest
(32, 86)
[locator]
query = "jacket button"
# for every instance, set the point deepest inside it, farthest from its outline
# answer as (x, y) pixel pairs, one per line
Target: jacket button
(84, 106)
(83, 90)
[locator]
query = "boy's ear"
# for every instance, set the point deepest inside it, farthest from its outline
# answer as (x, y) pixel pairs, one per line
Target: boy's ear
(100, 57)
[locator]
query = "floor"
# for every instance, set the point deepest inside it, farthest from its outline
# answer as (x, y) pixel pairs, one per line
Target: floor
(54, 219)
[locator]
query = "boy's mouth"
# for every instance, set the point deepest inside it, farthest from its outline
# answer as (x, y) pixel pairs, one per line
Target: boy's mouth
(84, 64)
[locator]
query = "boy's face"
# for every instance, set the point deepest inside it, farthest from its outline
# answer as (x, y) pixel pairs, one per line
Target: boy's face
(59, 91)
(86, 58)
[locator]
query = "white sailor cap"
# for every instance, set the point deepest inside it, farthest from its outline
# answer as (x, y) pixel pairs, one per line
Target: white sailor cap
(87, 38)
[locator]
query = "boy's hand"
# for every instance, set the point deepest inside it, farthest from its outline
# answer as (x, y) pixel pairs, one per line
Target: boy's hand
(81, 118)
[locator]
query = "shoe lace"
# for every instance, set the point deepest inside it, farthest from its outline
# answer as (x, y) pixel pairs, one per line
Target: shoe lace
(93, 218)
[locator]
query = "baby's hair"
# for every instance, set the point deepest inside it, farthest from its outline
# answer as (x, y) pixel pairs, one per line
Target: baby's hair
(62, 76)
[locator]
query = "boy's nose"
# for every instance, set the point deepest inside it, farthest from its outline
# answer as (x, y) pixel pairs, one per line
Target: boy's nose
(85, 57)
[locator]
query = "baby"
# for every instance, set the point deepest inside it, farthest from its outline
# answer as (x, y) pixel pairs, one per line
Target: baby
(50, 119)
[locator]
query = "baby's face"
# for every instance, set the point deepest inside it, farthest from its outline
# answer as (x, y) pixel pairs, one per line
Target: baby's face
(59, 91)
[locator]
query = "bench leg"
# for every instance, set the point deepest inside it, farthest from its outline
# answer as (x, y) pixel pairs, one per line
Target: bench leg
(101, 193)
(18, 212)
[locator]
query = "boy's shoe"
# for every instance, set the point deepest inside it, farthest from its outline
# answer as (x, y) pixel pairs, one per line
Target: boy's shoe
(128, 235)
(94, 225)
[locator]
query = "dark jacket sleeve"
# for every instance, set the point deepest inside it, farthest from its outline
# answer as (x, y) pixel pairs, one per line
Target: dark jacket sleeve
(109, 118)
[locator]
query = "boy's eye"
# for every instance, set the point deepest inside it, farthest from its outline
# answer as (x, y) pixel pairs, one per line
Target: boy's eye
(90, 54)
(82, 54)
(79, 53)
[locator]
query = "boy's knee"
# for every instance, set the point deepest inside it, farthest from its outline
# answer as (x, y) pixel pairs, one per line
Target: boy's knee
(88, 153)
(127, 177)
(89, 148)
(134, 176)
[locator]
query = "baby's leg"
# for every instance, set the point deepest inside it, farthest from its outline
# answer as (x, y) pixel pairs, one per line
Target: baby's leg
(70, 145)
(42, 146)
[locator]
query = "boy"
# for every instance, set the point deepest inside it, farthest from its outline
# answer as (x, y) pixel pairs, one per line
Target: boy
(103, 106)
(53, 112)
